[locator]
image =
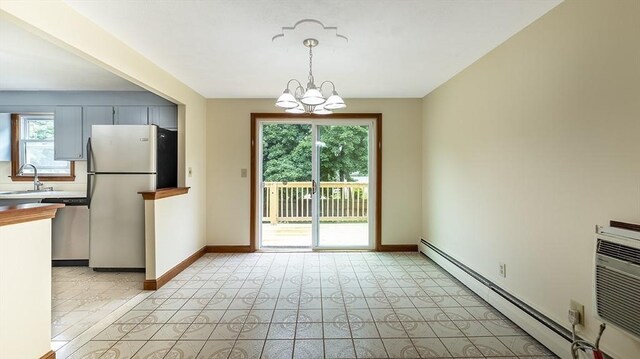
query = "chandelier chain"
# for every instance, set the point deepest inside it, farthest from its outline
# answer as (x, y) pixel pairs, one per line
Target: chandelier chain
(310, 64)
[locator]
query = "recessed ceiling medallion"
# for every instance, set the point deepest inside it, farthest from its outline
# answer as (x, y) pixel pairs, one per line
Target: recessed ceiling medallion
(316, 26)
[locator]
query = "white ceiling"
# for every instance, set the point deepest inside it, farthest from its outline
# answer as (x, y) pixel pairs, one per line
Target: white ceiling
(396, 48)
(28, 62)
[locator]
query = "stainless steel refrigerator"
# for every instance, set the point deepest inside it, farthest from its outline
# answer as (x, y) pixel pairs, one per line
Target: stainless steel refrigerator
(122, 161)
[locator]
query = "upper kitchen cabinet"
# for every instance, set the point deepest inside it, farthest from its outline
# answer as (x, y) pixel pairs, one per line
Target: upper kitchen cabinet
(5, 137)
(67, 127)
(164, 116)
(94, 115)
(131, 115)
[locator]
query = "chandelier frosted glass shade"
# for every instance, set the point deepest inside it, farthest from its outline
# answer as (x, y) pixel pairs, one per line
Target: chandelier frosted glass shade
(298, 109)
(321, 110)
(309, 99)
(312, 97)
(334, 102)
(286, 100)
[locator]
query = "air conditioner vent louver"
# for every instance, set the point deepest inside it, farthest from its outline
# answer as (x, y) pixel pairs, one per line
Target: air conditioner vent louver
(619, 251)
(617, 282)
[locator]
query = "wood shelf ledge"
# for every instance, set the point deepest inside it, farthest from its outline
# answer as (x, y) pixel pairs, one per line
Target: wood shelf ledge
(164, 193)
(28, 212)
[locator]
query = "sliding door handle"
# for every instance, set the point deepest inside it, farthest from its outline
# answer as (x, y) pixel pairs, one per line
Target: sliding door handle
(313, 187)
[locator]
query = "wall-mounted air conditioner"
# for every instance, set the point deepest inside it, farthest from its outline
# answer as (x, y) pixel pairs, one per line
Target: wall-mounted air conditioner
(617, 278)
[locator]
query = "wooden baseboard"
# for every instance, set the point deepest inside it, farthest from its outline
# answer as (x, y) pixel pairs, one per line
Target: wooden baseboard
(50, 355)
(398, 248)
(229, 249)
(155, 284)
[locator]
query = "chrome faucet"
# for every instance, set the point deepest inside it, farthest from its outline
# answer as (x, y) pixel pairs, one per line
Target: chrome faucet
(37, 185)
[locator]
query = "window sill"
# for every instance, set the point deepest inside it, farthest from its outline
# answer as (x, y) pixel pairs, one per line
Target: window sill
(44, 178)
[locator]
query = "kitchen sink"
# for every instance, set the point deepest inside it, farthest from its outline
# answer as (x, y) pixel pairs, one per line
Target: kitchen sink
(29, 191)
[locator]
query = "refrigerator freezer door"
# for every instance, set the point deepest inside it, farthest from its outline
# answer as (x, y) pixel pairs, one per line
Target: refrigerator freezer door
(117, 220)
(123, 149)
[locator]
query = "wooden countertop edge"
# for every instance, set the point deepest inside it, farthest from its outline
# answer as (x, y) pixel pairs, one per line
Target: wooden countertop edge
(28, 212)
(164, 193)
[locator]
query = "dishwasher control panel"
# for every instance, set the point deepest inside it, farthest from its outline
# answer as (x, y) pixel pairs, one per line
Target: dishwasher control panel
(67, 201)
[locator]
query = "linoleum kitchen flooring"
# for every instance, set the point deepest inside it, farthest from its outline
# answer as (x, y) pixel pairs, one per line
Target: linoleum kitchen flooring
(311, 305)
(82, 297)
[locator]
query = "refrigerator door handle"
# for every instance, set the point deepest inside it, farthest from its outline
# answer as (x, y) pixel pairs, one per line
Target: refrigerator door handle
(89, 170)
(89, 156)
(89, 190)
(91, 187)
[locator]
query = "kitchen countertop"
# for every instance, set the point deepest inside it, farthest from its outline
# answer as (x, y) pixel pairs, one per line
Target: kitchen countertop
(27, 212)
(42, 194)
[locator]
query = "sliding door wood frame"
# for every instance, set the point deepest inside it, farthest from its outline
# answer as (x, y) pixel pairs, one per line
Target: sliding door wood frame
(376, 117)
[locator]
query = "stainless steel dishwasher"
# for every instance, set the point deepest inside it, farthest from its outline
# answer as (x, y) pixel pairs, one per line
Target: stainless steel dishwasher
(70, 232)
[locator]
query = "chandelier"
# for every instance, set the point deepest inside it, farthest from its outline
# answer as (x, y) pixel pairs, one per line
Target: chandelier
(310, 99)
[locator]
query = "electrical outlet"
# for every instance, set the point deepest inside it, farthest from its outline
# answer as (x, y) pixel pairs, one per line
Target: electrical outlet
(579, 308)
(503, 270)
(189, 172)
(243, 172)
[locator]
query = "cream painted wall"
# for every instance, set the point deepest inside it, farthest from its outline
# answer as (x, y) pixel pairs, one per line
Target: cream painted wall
(228, 151)
(58, 23)
(528, 149)
(163, 251)
(25, 295)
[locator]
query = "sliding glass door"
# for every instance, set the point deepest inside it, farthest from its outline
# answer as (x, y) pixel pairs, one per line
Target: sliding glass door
(342, 173)
(314, 184)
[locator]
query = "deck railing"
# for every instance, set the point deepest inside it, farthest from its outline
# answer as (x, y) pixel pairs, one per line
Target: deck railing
(291, 202)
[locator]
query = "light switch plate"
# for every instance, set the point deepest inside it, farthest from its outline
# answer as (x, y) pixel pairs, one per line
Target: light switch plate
(243, 172)
(189, 172)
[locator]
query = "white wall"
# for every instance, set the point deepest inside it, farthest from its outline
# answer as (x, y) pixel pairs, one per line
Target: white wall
(164, 246)
(58, 23)
(532, 146)
(25, 289)
(228, 151)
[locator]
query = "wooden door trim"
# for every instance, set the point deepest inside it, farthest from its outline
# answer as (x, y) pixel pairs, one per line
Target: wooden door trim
(376, 117)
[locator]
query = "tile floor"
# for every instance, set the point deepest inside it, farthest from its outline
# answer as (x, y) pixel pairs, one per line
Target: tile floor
(311, 305)
(82, 297)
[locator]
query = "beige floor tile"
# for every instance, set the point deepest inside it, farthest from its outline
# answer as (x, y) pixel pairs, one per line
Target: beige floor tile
(369, 348)
(339, 348)
(154, 349)
(400, 348)
(277, 349)
(249, 349)
(430, 348)
(123, 350)
(92, 350)
(187, 349)
(253, 305)
(308, 349)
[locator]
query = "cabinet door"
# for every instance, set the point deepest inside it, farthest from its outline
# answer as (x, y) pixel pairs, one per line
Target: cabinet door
(164, 116)
(67, 127)
(5, 137)
(131, 115)
(94, 115)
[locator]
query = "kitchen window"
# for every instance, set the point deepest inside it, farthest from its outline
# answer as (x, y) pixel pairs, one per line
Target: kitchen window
(32, 142)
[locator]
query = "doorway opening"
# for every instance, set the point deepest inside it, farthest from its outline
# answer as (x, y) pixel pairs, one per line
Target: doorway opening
(315, 181)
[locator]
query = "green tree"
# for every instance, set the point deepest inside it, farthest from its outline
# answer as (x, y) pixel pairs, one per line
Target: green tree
(344, 152)
(40, 129)
(287, 152)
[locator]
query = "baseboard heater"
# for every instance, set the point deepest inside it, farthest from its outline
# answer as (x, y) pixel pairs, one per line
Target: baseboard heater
(549, 323)
(533, 313)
